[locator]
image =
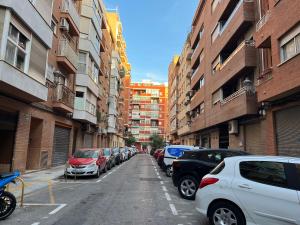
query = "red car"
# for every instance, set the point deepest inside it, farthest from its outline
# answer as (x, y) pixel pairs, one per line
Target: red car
(86, 162)
(156, 153)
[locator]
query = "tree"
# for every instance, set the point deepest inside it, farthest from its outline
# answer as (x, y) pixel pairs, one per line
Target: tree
(156, 141)
(130, 141)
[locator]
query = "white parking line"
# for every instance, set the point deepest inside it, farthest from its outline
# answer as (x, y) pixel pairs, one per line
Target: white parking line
(161, 182)
(173, 209)
(104, 176)
(159, 177)
(167, 196)
(164, 188)
(35, 223)
(57, 209)
(98, 181)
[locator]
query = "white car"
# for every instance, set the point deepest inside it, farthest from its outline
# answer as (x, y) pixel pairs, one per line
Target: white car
(260, 190)
(172, 152)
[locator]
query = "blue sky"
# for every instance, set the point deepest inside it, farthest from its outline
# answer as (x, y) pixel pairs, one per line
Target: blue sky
(154, 31)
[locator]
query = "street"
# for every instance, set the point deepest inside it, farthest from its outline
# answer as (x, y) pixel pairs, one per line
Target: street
(136, 192)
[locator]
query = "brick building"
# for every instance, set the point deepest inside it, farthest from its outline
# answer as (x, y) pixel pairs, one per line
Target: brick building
(147, 111)
(241, 53)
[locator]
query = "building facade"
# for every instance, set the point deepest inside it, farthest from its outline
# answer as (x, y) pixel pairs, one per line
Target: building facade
(147, 111)
(240, 54)
(55, 61)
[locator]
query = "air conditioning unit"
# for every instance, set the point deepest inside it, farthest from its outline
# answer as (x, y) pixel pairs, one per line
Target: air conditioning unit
(64, 24)
(233, 127)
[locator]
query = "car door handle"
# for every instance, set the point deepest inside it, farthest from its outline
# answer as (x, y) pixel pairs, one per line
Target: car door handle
(245, 186)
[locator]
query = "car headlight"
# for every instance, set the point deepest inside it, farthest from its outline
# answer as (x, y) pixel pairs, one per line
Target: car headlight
(92, 165)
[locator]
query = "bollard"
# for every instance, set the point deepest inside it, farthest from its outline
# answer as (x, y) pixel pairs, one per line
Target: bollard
(22, 191)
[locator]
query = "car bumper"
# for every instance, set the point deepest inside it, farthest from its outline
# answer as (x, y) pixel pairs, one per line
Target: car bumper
(81, 171)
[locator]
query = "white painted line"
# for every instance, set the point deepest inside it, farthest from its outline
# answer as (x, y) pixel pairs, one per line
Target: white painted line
(159, 177)
(109, 173)
(168, 196)
(161, 182)
(164, 188)
(57, 209)
(45, 217)
(104, 176)
(39, 204)
(35, 223)
(173, 209)
(98, 181)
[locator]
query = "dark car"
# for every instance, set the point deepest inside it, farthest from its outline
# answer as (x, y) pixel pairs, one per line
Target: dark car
(117, 154)
(160, 160)
(108, 153)
(189, 169)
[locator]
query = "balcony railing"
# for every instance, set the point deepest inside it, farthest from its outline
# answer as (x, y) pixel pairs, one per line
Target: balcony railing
(65, 50)
(64, 95)
(244, 43)
(262, 21)
(68, 6)
(248, 90)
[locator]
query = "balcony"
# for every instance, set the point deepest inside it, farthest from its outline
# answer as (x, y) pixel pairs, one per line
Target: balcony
(82, 111)
(197, 98)
(241, 103)
(86, 80)
(67, 56)
(63, 98)
(197, 123)
(240, 19)
(244, 56)
(263, 20)
(15, 83)
(183, 130)
(69, 11)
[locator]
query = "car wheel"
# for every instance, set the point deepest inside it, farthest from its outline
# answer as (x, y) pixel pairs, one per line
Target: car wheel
(187, 187)
(226, 213)
(169, 171)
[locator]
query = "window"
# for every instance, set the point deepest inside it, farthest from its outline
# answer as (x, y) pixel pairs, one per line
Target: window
(271, 173)
(53, 26)
(79, 94)
(215, 33)
(201, 81)
(201, 56)
(201, 32)
(217, 96)
(216, 65)
(82, 62)
(16, 48)
(202, 108)
(290, 44)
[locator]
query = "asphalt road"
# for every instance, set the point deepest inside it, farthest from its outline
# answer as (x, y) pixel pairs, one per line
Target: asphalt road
(135, 193)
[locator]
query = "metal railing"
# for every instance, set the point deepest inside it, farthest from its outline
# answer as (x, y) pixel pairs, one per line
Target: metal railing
(64, 95)
(244, 90)
(262, 21)
(69, 7)
(65, 49)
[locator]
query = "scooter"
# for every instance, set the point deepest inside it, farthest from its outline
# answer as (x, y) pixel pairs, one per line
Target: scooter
(8, 201)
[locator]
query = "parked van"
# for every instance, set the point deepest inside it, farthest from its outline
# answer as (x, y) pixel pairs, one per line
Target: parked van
(173, 152)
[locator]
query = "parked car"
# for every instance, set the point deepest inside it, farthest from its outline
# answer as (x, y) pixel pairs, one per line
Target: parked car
(156, 153)
(123, 154)
(129, 152)
(261, 190)
(126, 153)
(160, 159)
(189, 169)
(108, 153)
(117, 154)
(172, 152)
(86, 162)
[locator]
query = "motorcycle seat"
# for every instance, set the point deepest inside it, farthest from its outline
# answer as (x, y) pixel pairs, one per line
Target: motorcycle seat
(6, 175)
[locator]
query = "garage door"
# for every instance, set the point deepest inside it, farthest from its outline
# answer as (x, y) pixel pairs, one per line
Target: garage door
(60, 146)
(88, 141)
(288, 131)
(253, 139)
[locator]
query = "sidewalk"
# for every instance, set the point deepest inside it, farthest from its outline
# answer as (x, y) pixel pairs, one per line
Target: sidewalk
(36, 180)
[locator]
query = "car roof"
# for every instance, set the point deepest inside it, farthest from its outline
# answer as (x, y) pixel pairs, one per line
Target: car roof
(263, 158)
(219, 150)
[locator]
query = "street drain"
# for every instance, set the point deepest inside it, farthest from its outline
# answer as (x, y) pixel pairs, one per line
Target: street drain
(149, 179)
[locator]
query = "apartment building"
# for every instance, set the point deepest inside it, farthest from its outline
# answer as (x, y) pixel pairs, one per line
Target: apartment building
(87, 77)
(120, 74)
(147, 111)
(277, 38)
(241, 53)
(172, 99)
(26, 38)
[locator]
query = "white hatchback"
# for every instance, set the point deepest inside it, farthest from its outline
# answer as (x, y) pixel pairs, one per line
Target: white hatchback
(261, 190)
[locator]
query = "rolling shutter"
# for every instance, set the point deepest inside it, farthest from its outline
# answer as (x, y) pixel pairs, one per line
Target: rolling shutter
(88, 141)
(60, 146)
(288, 131)
(253, 139)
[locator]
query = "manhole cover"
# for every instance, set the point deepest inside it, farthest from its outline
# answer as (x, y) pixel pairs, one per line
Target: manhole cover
(149, 179)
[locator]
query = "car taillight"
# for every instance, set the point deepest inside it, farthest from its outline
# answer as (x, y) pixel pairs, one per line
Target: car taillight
(208, 181)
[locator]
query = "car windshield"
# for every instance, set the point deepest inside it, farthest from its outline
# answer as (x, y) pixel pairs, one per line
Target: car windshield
(86, 154)
(106, 152)
(116, 150)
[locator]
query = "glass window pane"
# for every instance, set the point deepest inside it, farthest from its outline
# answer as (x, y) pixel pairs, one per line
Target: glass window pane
(20, 60)
(297, 39)
(10, 53)
(271, 173)
(13, 33)
(22, 41)
(289, 49)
